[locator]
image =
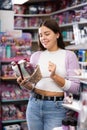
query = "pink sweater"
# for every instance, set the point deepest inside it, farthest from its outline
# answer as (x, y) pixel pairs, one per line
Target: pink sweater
(71, 62)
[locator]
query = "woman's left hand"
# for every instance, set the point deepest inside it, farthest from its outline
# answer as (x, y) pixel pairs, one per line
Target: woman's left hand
(51, 68)
(57, 78)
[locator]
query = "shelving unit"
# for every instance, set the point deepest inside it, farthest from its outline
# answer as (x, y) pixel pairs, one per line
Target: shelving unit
(68, 27)
(18, 101)
(12, 95)
(13, 99)
(77, 47)
(69, 8)
(75, 106)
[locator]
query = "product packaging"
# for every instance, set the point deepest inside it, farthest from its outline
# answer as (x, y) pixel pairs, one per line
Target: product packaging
(24, 68)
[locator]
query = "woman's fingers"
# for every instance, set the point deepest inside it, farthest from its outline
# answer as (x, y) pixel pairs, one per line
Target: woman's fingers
(51, 67)
(25, 83)
(19, 80)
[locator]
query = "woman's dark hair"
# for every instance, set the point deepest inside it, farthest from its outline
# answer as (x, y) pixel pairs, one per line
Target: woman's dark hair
(52, 24)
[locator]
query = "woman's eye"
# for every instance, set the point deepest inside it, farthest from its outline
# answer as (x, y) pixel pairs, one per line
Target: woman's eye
(47, 34)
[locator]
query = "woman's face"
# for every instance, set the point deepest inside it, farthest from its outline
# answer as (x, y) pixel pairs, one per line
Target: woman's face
(48, 38)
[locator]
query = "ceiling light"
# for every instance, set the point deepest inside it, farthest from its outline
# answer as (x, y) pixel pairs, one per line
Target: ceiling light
(19, 1)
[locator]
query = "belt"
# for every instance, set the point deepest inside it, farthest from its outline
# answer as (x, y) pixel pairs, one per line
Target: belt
(54, 98)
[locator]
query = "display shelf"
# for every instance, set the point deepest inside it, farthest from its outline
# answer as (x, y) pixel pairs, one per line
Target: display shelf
(75, 105)
(83, 63)
(51, 14)
(8, 60)
(12, 96)
(79, 77)
(71, 24)
(64, 26)
(30, 15)
(26, 28)
(13, 121)
(14, 100)
(77, 47)
(36, 1)
(84, 81)
(8, 78)
(69, 8)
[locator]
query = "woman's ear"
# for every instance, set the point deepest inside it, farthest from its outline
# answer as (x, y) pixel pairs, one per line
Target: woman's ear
(58, 35)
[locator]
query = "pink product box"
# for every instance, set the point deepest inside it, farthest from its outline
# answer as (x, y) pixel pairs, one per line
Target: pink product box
(19, 9)
(33, 22)
(13, 92)
(8, 112)
(7, 70)
(24, 68)
(19, 22)
(13, 112)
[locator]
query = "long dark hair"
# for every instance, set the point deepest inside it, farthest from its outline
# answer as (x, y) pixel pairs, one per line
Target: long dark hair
(53, 25)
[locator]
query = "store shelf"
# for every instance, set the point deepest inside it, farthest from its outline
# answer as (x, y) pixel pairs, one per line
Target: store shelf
(26, 28)
(12, 96)
(30, 15)
(76, 105)
(69, 8)
(83, 63)
(84, 81)
(33, 29)
(13, 121)
(36, 28)
(77, 47)
(71, 24)
(8, 60)
(7, 78)
(50, 14)
(80, 77)
(33, 1)
(12, 100)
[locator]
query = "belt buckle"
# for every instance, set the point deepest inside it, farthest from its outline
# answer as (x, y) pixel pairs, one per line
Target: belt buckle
(49, 98)
(60, 98)
(42, 97)
(55, 98)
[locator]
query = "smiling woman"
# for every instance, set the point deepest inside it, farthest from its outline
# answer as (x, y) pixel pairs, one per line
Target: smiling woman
(45, 110)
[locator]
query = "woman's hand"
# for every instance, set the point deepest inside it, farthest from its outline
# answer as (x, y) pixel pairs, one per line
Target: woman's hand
(24, 82)
(52, 68)
(58, 79)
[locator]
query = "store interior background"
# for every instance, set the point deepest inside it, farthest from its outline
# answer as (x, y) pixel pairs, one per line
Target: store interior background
(19, 39)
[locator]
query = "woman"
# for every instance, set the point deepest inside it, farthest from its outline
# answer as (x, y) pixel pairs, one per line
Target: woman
(45, 110)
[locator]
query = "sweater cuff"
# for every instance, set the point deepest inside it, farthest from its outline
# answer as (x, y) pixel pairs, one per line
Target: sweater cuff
(67, 85)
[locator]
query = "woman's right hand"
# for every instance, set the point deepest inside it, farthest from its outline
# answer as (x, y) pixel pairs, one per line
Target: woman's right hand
(24, 82)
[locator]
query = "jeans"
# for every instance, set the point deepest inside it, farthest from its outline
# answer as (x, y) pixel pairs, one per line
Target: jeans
(44, 114)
